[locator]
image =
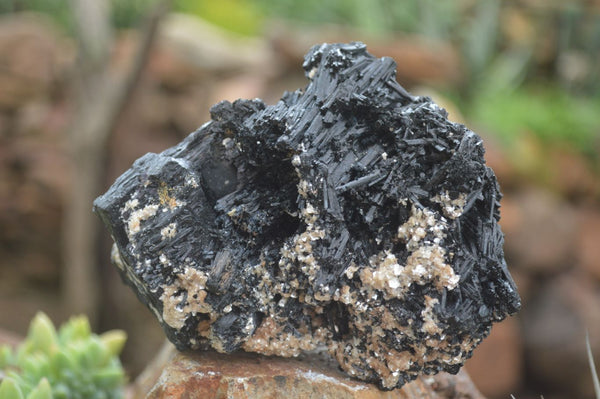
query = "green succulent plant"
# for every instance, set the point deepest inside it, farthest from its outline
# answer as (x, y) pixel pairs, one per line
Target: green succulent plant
(72, 363)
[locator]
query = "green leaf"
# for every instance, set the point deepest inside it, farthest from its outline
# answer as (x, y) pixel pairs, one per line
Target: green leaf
(93, 353)
(42, 391)
(62, 360)
(507, 71)
(35, 367)
(9, 389)
(438, 18)
(6, 356)
(100, 395)
(73, 363)
(482, 35)
(114, 341)
(61, 391)
(77, 328)
(239, 16)
(108, 378)
(42, 334)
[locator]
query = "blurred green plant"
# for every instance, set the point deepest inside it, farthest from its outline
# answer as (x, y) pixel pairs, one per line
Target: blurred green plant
(72, 363)
(506, 86)
(125, 13)
(505, 92)
(128, 13)
(58, 10)
(239, 16)
(434, 18)
(547, 112)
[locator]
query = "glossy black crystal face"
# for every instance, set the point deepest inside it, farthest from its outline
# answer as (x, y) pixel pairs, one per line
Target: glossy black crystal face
(350, 216)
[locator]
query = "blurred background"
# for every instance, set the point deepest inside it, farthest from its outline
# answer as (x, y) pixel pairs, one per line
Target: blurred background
(86, 87)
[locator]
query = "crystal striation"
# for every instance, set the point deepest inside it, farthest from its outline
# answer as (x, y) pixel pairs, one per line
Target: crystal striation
(350, 216)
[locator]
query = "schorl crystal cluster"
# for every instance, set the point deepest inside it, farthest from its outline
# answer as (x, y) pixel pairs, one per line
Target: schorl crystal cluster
(350, 216)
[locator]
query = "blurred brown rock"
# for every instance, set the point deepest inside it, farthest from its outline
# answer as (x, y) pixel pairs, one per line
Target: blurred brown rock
(32, 57)
(526, 282)
(511, 218)
(33, 183)
(420, 61)
(207, 375)
(496, 158)
(209, 48)
(540, 230)
(529, 158)
(588, 242)
(497, 364)
(573, 174)
(555, 322)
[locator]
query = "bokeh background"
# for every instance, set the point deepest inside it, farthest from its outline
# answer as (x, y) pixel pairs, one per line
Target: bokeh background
(75, 113)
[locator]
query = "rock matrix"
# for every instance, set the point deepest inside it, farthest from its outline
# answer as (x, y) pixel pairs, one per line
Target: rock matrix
(350, 217)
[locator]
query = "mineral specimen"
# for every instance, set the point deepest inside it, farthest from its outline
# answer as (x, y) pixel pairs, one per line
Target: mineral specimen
(350, 216)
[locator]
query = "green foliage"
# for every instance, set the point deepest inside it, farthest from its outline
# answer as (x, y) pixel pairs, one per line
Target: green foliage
(9, 389)
(72, 363)
(499, 72)
(549, 113)
(432, 18)
(58, 10)
(239, 16)
(481, 35)
(128, 13)
(124, 13)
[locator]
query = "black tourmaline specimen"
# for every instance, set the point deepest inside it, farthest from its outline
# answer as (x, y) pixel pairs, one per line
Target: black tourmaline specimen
(350, 216)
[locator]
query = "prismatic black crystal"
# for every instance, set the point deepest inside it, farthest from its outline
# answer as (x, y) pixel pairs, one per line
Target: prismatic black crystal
(350, 216)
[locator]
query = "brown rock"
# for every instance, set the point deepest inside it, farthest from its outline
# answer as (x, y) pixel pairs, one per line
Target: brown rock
(497, 158)
(424, 61)
(540, 231)
(250, 85)
(511, 218)
(206, 375)
(190, 108)
(172, 70)
(32, 190)
(554, 327)
(588, 242)
(219, 50)
(32, 57)
(529, 158)
(573, 174)
(497, 365)
(526, 282)
(165, 64)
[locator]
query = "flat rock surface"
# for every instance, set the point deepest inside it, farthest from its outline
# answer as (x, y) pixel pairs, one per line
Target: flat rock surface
(206, 375)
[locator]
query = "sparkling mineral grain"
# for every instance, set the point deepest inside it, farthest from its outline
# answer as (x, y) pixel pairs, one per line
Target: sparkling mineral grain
(350, 217)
